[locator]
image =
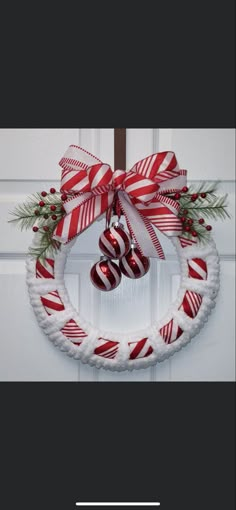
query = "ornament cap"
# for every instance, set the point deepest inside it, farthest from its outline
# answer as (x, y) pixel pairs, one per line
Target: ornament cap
(117, 224)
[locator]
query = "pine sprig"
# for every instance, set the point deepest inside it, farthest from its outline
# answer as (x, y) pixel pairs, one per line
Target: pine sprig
(215, 208)
(46, 246)
(31, 214)
(203, 187)
(198, 203)
(203, 235)
(24, 214)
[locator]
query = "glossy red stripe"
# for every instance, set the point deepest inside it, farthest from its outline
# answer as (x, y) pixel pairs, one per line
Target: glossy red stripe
(51, 304)
(193, 274)
(139, 346)
(111, 354)
(79, 176)
(74, 218)
(154, 167)
(50, 262)
(191, 303)
(160, 158)
(105, 347)
(149, 351)
(193, 271)
(43, 271)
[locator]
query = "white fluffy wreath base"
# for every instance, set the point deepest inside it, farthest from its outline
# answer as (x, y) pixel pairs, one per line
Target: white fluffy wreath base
(96, 347)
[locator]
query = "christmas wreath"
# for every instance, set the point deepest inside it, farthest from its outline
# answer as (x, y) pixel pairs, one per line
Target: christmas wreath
(152, 195)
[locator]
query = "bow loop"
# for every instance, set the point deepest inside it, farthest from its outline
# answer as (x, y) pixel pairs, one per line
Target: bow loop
(99, 175)
(140, 187)
(74, 181)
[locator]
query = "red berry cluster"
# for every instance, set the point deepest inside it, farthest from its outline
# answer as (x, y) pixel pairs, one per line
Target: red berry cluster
(188, 224)
(53, 208)
(193, 197)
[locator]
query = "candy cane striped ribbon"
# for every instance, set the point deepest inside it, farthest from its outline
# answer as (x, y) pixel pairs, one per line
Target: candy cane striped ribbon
(140, 192)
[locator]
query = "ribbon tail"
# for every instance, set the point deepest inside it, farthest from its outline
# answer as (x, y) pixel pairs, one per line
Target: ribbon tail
(81, 217)
(141, 229)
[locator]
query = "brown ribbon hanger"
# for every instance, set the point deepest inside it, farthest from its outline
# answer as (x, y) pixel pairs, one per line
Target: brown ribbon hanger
(120, 148)
(119, 159)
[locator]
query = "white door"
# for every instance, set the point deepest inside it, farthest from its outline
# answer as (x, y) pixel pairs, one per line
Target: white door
(29, 163)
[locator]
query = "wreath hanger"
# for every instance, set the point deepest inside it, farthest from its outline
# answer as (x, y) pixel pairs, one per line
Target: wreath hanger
(120, 148)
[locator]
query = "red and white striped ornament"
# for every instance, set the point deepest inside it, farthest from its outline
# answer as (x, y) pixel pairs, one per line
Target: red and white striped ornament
(134, 264)
(105, 275)
(115, 242)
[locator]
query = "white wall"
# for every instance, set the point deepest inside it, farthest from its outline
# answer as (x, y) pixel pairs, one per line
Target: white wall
(29, 163)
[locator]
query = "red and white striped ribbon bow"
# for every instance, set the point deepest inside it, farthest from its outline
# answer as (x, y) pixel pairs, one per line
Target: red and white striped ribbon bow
(140, 193)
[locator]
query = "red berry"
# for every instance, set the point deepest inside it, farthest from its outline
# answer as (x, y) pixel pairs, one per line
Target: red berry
(54, 217)
(209, 227)
(62, 208)
(201, 221)
(52, 190)
(185, 189)
(46, 216)
(190, 222)
(177, 196)
(193, 198)
(64, 197)
(195, 195)
(203, 195)
(185, 212)
(35, 229)
(194, 233)
(45, 228)
(183, 219)
(187, 228)
(36, 212)
(42, 203)
(53, 207)
(44, 193)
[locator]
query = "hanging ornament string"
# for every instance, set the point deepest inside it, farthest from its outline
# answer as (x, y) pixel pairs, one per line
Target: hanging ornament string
(90, 188)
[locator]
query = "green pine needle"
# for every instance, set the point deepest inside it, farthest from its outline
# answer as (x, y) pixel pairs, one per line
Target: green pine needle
(24, 217)
(46, 246)
(24, 214)
(204, 187)
(203, 235)
(211, 207)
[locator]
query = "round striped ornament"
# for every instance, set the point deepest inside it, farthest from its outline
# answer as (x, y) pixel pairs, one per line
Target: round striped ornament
(115, 242)
(134, 264)
(105, 275)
